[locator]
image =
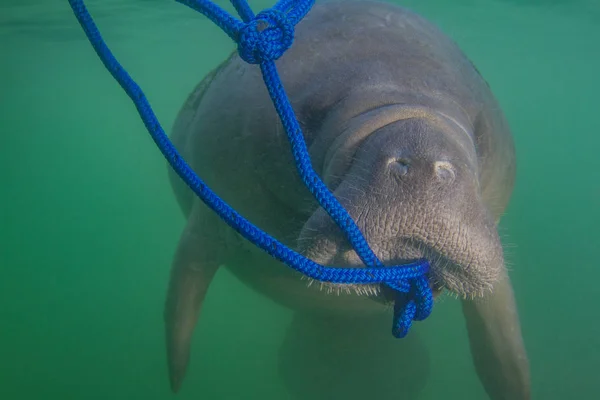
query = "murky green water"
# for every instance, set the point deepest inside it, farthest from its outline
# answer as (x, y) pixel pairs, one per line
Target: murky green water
(88, 223)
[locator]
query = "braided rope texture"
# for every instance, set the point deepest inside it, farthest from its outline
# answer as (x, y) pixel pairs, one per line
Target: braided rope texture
(261, 40)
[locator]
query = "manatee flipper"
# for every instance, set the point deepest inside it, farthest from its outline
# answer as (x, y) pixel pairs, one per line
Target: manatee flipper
(496, 343)
(195, 263)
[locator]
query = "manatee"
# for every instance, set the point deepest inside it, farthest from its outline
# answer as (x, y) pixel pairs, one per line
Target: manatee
(407, 134)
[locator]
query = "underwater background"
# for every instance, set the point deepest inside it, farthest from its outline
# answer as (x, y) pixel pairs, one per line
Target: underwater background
(89, 224)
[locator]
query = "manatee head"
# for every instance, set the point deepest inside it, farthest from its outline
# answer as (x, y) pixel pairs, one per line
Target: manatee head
(412, 187)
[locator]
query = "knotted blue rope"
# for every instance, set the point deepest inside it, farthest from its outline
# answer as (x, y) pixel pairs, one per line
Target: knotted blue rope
(261, 39)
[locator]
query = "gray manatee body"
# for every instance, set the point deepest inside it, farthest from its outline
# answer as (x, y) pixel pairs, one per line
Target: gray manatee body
(408, 135)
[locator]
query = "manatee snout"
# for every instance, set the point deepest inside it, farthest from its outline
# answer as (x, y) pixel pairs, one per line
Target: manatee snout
(413, 189)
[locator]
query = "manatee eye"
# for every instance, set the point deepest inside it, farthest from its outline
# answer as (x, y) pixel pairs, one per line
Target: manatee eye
(399, 165)
(444, 171)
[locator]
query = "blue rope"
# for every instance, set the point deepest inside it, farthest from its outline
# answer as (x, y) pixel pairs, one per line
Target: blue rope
(261, 39)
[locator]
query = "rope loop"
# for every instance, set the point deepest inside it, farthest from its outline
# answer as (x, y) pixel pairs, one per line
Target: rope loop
(266, 37)
(261, 40)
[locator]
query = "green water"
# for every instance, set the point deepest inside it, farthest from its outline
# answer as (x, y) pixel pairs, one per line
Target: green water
(88, 223)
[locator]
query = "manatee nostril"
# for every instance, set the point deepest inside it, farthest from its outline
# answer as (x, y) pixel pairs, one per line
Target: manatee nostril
(444, 171)
(400, 165)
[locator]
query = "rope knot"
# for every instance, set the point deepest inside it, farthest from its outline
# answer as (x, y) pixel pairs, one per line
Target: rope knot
(414, 301)
(266, 37)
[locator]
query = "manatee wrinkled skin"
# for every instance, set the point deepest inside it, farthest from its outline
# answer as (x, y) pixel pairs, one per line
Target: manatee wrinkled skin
(407, 134)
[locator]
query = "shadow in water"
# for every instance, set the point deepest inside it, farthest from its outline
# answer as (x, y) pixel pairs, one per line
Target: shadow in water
(326, 357)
